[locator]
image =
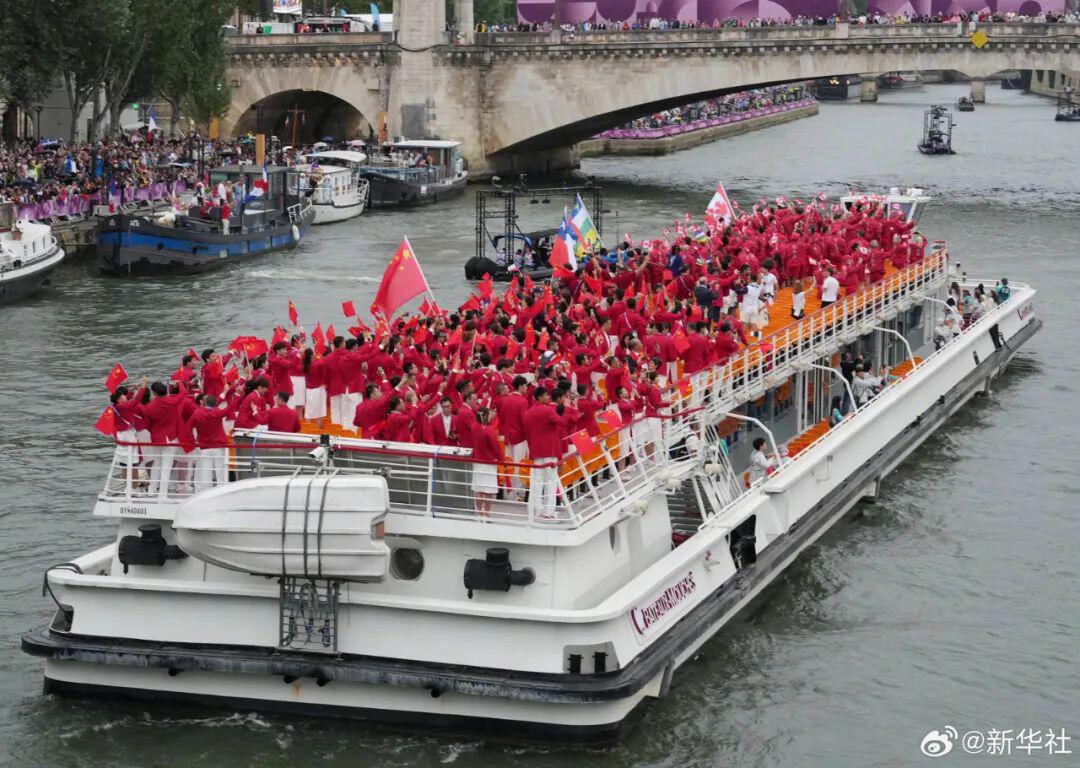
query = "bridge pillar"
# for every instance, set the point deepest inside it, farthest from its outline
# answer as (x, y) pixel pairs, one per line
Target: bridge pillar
(868, 93)
(464, 21)
(420, 23)
(978, 90)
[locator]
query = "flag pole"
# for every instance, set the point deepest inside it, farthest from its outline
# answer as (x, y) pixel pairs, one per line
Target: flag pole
(426, 283)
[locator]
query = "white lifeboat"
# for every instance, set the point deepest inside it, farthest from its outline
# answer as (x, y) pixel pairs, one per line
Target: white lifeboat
(318, 525)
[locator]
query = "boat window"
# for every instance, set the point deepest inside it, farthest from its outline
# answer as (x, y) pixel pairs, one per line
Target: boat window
(406, 564)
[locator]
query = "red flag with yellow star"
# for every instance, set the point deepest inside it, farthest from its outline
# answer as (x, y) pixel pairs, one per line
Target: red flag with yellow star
(402, 280)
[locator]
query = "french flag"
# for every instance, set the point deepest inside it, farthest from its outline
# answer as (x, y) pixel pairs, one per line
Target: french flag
(151, 123)
(259, 188)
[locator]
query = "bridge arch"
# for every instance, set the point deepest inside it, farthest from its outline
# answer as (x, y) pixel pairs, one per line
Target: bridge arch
(337, 100)
(561, 108)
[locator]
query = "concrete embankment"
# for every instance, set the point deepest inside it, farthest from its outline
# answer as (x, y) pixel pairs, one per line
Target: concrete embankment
(663, 145)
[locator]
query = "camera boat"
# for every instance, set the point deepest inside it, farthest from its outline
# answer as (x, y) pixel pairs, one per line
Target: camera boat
(335, 575)
(29, 254)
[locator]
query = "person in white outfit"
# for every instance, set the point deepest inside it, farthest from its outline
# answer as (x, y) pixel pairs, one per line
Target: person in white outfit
(761, 464)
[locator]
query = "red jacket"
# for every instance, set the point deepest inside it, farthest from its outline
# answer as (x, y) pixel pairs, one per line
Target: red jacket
(162, 415)
(510, 408)
(208, 425)
(437, 433)
(252, 411)
(486, 444)
(282, 418)
(544, 429)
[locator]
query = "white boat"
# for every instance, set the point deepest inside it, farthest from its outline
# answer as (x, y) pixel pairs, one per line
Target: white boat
(29, 254)
(337, 188)
(557, 621)
(910, 202)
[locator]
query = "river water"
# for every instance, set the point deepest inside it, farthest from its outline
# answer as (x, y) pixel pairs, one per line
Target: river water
(950, 602)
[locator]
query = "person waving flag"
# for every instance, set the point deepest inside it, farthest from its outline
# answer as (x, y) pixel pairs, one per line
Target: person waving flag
(402, 280)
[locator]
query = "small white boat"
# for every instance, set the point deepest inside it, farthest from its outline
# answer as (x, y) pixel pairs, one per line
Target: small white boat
(28, 255)
(337, 188)
(910, 202)
(327, 525)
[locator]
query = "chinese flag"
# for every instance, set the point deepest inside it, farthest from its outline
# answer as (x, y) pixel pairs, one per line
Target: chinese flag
(684, 386)
(106, 423)
(116, 377)
(402, 280)
(330, 333)
(425, 308)
(455, 337)
(279, 335)
(584, 443)
(294, 318)
(231, 375)
(348, 308)
(610, 418)
(681, 342)
(486, 287)
(318, 337)
(530, 336)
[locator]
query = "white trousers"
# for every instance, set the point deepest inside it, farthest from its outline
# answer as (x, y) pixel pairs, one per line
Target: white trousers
(163, 457)
(299, 384)
(543, 487)
(211, 468)
(349, 402)
(335, 410)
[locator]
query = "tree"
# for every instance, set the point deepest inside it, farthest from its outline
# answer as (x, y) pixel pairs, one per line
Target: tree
(28, 66)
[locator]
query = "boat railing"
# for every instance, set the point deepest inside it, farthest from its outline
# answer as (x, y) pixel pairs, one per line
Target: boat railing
(769, 362)
(863, 412)
(622, 468)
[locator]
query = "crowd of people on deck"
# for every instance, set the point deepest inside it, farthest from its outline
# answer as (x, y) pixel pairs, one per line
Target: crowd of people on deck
(660, 24)
(512, 375)
(733, 103)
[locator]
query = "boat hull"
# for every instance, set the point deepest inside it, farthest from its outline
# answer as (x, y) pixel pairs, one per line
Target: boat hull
(388, 191)
(25, 281)
(137, 247)
(584, 707)
(329, 213)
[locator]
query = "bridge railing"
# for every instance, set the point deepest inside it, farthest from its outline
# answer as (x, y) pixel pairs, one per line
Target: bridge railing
(780, 34)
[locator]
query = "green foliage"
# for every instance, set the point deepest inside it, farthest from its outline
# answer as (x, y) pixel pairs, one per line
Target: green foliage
(129, 50)
(495, 11)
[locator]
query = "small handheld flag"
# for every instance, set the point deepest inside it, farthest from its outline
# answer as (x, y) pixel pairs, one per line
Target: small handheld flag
(348, 308)
(116, 377)
(294, 317)
(106, 423)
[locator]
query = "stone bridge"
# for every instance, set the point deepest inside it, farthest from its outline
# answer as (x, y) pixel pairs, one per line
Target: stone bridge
(520, 101)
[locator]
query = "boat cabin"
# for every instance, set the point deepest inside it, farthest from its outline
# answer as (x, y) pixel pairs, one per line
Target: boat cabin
(261, 212)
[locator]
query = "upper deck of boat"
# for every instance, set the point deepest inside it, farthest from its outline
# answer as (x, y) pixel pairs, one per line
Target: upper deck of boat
(431, 485)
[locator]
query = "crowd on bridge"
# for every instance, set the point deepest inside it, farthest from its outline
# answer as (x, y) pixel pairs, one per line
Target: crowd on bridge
(658, 24)
(513, 375)
(731, 104)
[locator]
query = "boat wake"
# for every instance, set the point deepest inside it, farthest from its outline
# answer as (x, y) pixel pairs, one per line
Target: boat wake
(307, 275)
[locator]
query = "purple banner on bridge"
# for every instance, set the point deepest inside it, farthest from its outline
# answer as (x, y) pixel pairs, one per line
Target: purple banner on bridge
(707, 12)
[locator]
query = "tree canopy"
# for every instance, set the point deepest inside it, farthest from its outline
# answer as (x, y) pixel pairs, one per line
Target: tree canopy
(108, 53)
